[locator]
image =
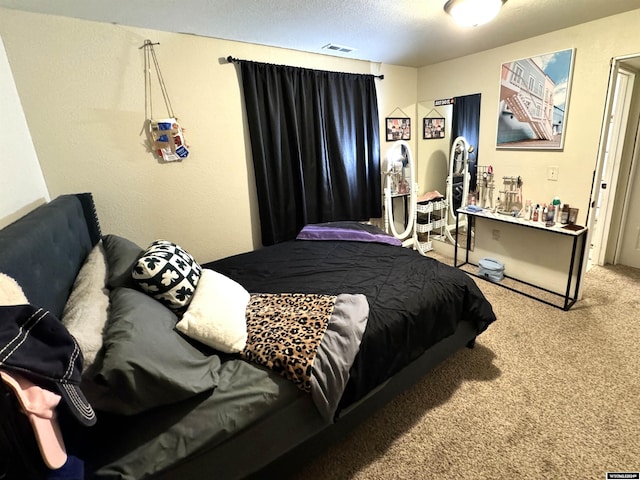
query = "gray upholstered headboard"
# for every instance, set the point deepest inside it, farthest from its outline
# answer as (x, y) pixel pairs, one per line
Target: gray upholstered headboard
(44, 250)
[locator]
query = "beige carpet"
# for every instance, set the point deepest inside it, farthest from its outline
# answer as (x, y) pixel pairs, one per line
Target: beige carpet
(545, 394)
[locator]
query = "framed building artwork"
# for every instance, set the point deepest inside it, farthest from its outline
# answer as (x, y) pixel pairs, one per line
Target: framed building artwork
(398, 128)
(432, 128)
(534, 101)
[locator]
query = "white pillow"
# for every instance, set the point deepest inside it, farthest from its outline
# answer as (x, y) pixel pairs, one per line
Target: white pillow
(11, 292)
(216, 315)
(86, 311)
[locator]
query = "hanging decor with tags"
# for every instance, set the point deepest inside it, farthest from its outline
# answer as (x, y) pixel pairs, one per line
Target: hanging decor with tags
(166, 136)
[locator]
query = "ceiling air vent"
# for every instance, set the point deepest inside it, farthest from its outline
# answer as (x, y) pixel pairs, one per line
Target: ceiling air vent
(338, 48)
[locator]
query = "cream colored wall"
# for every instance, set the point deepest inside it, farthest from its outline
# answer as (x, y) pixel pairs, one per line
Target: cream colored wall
(433, 154)
(81, 86)
(398, 99)
(595, 43)
(22, 186)
(82, 89)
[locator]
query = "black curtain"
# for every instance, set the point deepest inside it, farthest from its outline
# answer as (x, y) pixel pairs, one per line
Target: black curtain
(466, 123)
(315, 142)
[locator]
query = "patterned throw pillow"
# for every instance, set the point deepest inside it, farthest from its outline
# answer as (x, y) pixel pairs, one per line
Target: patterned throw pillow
(168, 273)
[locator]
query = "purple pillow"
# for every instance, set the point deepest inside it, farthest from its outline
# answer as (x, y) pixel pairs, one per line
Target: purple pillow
(347, 231)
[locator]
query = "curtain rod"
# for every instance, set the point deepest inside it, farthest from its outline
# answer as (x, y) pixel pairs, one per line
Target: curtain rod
(231, 59)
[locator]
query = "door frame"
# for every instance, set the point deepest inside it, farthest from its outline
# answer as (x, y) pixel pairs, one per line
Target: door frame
(596, 190)
(614, 134)
(633, 171)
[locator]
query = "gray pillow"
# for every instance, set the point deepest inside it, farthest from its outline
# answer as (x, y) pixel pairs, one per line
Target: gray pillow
(145, 362)
(121, 255)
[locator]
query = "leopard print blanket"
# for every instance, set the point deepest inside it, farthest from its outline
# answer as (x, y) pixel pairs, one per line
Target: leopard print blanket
(284, 332)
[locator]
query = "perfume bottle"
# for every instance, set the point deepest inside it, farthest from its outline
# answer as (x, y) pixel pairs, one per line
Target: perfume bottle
(527, 210)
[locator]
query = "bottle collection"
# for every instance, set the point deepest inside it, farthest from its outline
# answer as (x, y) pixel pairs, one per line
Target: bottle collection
(547, 213)
(509, 201)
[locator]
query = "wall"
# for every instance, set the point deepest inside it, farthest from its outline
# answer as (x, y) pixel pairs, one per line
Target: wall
(83, 92)
(22, 185)
(81, 85)
(433, 154)
(397, 101)
(595, 43)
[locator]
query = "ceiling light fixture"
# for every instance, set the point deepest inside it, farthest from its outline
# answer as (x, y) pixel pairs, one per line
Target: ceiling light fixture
(471, 13)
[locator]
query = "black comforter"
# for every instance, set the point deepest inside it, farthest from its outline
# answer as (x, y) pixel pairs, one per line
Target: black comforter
(414, 301)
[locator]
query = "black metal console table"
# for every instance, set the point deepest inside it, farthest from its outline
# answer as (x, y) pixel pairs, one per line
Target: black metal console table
(577, 253)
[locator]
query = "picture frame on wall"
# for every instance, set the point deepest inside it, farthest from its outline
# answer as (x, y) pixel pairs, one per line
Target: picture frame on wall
(398, 128)
(534, 101)
(432, 128)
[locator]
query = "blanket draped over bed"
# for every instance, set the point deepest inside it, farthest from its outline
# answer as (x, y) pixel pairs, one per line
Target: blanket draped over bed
(284, 332)
(414, 301)
(309, 339)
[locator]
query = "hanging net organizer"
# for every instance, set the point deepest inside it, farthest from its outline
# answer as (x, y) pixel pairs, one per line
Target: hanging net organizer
(166, 137)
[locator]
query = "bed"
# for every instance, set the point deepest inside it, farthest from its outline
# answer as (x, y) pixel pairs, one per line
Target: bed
(184, 409)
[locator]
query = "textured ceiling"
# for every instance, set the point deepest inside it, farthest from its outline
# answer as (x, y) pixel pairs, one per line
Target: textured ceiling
(401, 32)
